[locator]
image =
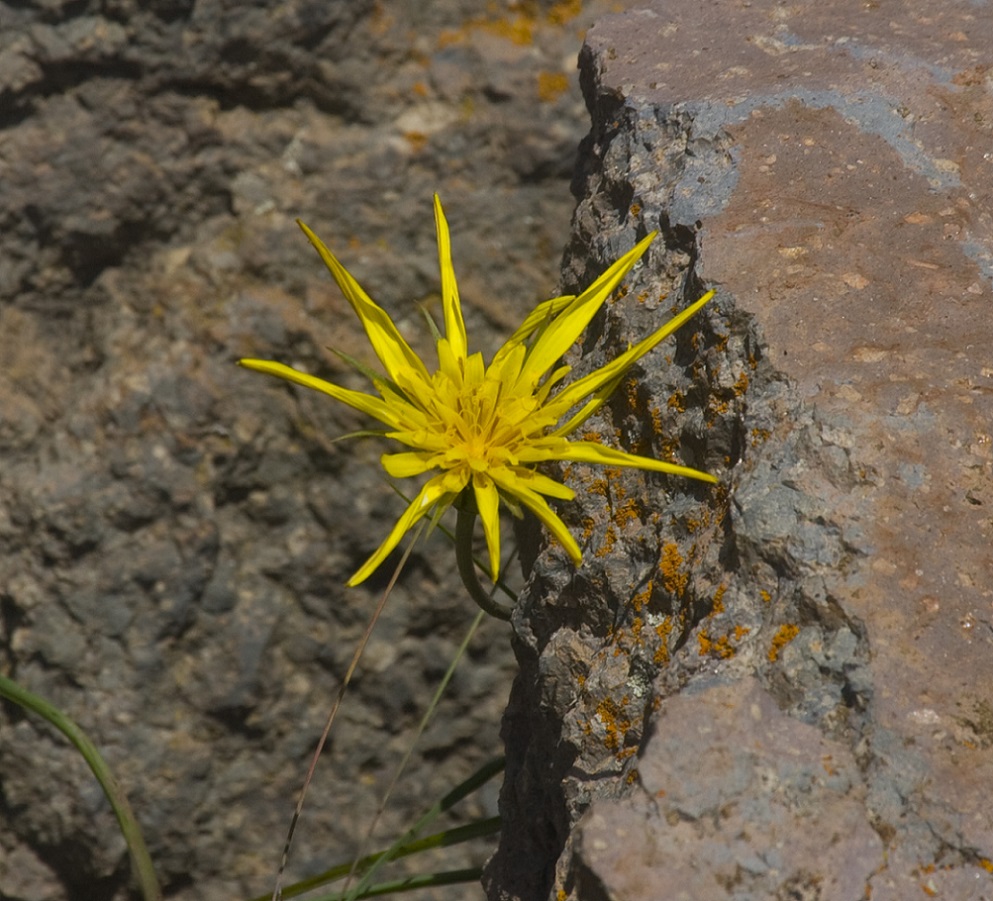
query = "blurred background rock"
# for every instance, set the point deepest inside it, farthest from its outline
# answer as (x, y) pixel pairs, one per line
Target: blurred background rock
(175, 533)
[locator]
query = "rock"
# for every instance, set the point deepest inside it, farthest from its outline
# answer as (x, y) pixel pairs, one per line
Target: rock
(824, 168)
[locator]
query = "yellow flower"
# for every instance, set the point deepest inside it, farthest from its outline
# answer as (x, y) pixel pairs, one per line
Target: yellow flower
(480, 427)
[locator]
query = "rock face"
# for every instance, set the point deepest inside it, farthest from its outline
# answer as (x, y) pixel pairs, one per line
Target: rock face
(175, 533)
(781, 688)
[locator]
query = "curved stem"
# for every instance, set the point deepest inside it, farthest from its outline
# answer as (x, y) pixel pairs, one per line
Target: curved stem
(467, 568)
(143, 869)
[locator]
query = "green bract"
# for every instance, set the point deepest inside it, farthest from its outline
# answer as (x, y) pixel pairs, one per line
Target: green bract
(487, 427)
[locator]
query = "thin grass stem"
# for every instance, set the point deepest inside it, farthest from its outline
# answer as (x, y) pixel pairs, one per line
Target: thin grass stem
(278, 888)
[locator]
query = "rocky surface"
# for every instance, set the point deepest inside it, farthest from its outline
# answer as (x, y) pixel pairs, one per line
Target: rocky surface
(781, 688)
(175, 532)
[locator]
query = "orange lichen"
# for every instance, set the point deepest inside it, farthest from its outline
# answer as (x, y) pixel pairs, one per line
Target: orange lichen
(518, 30)
(674, 580)
(720, 647)
(718, 602)
(786, 633)
(616, 725)
(551, 86)
(759, 436)
(641, 599)
(717, 405)
(714, 647)
(631, 393)
(564, 11)
(766, 597)
(663, 630)
(656, 414)
(416, 139)
(627, 512)
(609, 540)
(986, 864)
(637, 624)
(636, 209)
(614, 476)
(677, 402)
(741, 385)
(598, 486)
(632, 775)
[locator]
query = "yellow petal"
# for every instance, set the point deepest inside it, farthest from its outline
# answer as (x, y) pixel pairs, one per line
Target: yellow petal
(591, 452)
(536, 481)
(454, 323)
(394, 353)
(367, 403)
(537, 319)
(604, 380)
(432, 493)
(539, 506)
(407, 464)
(562, 332)
(488, 505)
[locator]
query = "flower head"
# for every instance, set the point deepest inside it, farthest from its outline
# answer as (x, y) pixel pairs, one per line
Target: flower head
(484, 428)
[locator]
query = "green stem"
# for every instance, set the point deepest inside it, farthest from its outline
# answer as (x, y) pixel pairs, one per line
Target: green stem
(445, 839)
(140, 858)
(464, 526)
(410, 883)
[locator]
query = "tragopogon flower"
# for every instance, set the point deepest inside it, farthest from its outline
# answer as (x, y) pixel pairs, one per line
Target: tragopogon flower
(484, 428)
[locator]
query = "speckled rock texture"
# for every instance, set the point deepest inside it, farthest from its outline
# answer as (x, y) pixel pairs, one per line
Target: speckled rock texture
(175, 532)
(781, 688)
